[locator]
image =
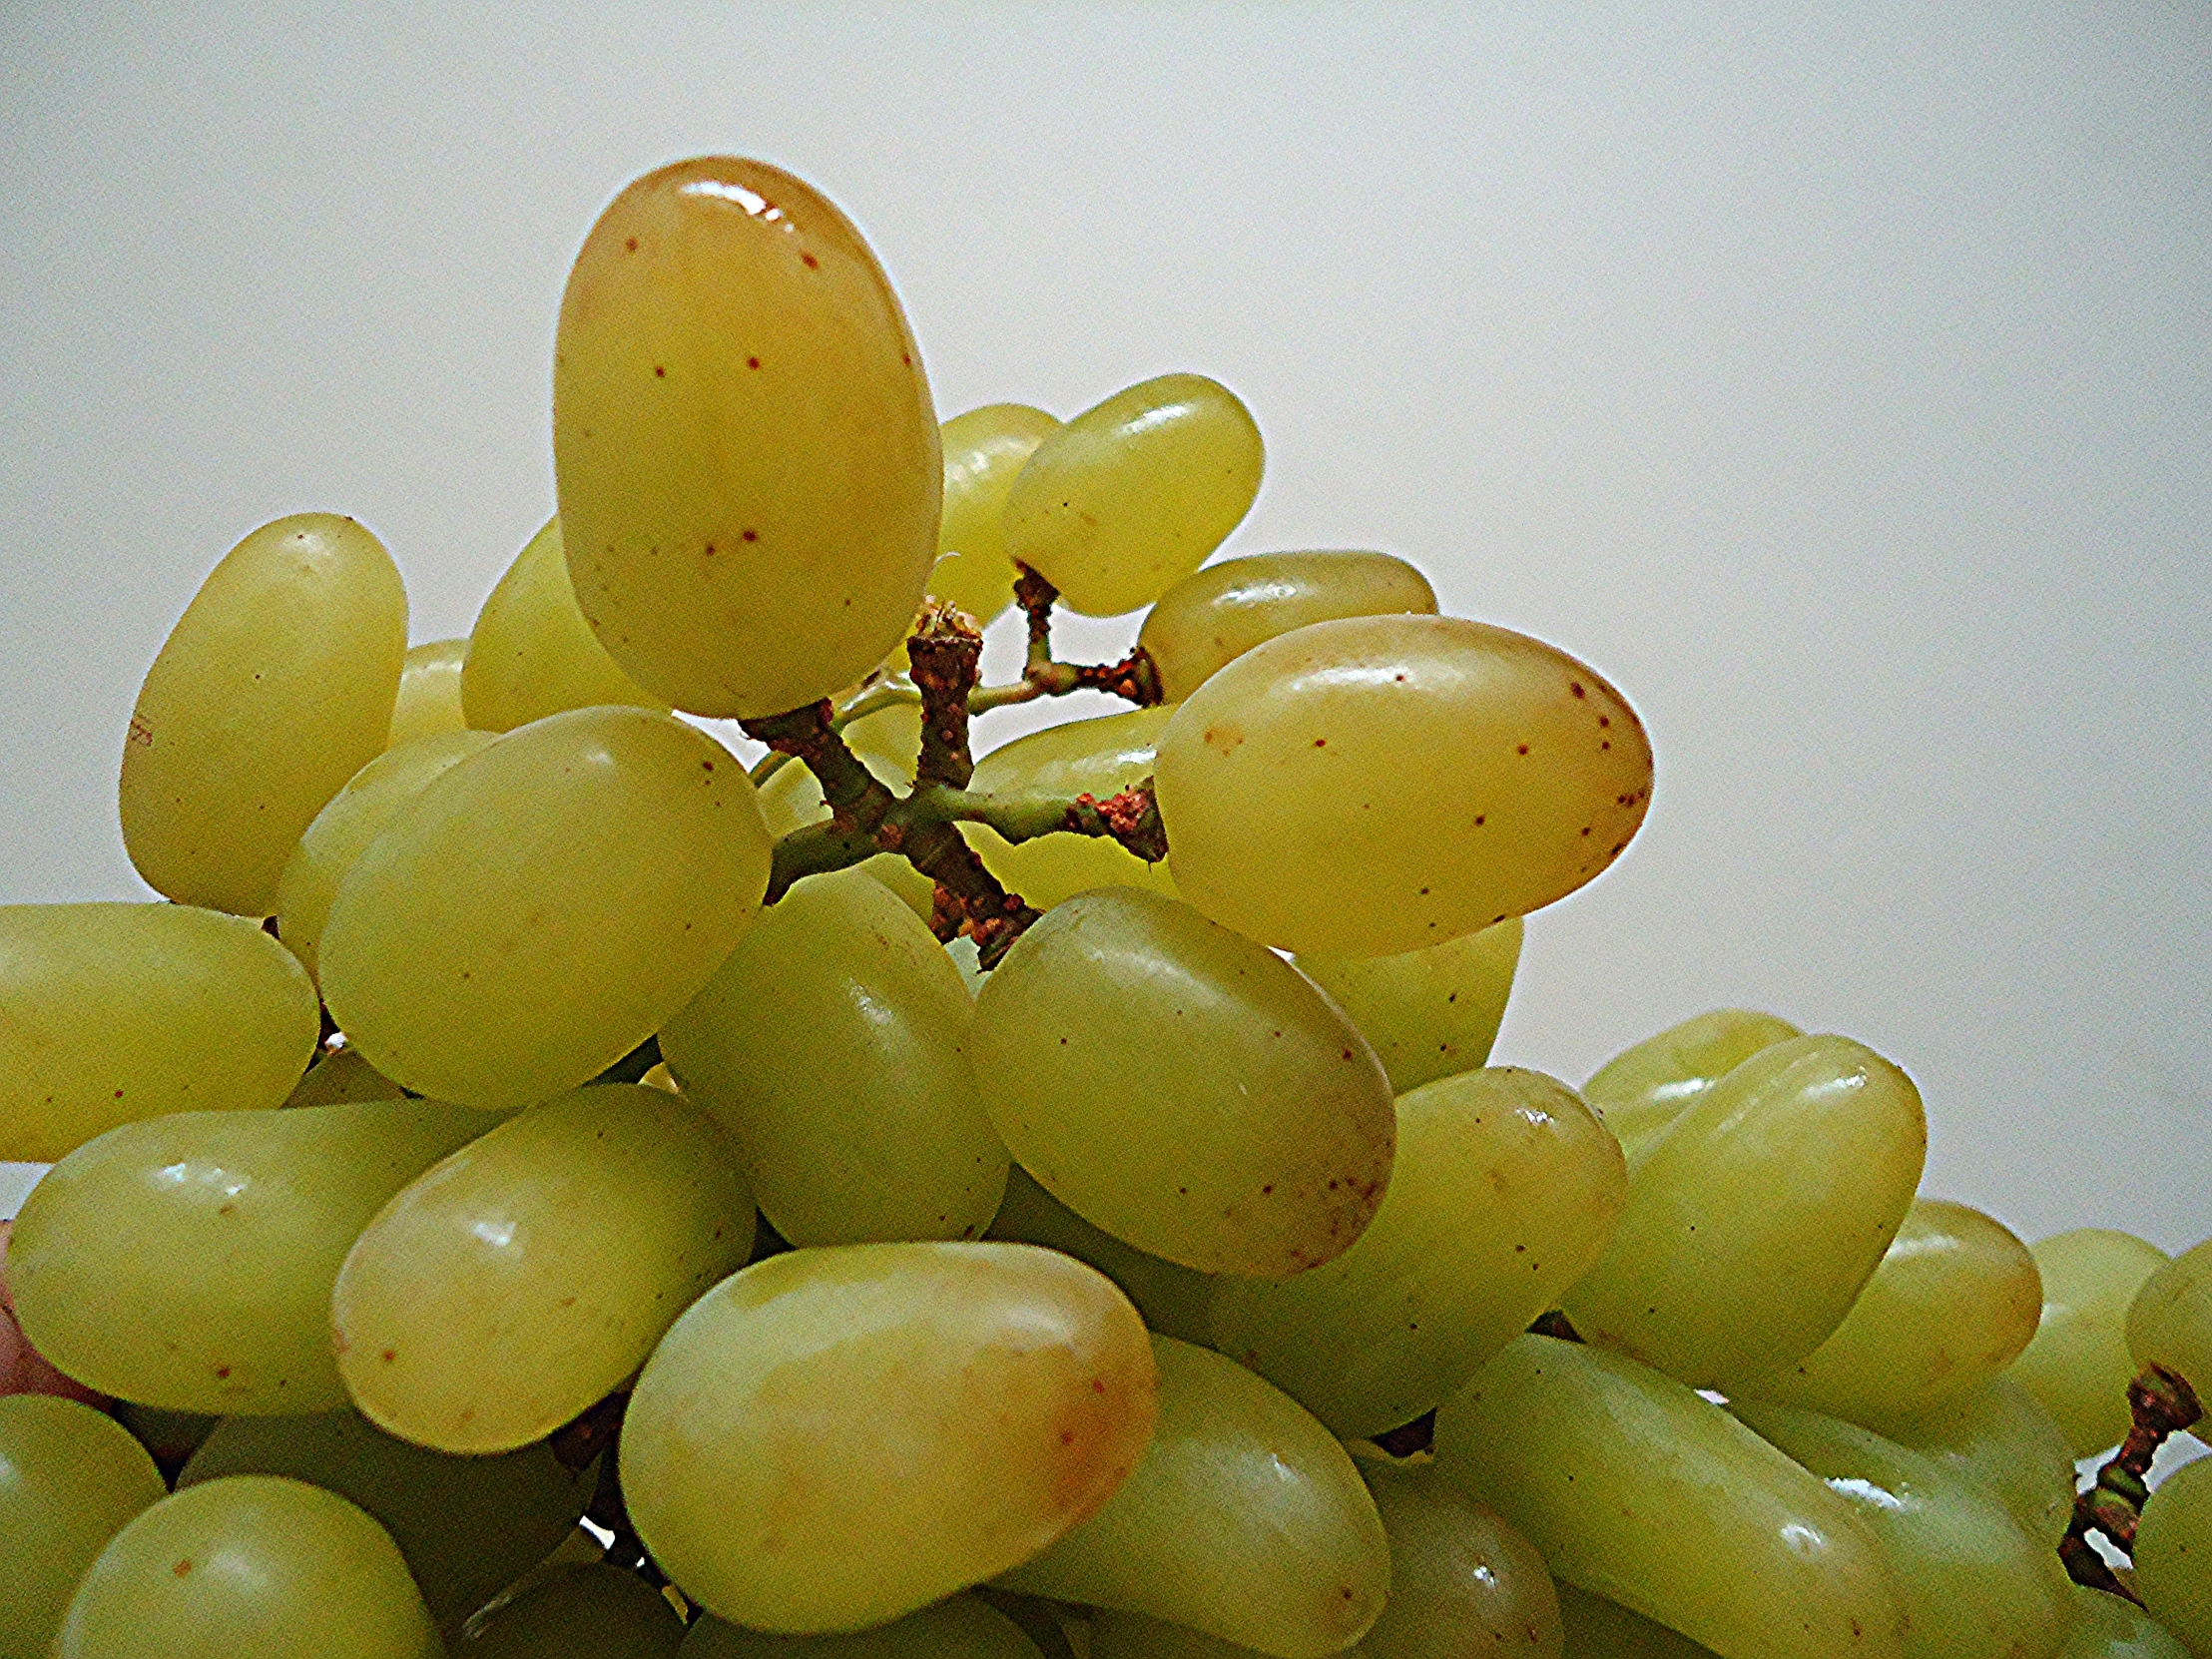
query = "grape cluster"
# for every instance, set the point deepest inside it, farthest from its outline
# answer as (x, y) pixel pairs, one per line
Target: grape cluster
(1049, 1208)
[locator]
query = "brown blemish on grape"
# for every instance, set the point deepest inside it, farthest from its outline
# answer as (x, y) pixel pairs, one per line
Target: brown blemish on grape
(630, 244)
(752, 363)
(227, 1209)
(1575, 686)
(1320, 742)
(1523, 750)
(659, 373)
(222, 1374)
(751, 535)
(389, 1355)
(181, 1569)
(809, 261)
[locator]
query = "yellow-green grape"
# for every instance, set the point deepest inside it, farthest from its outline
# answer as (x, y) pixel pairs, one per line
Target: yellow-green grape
(1644, 1088)
(2171, 1320)
(1633, 1486)
(2112, 1627)
(985, 451)
(1997, 1434)
(2078, 1364)
(1130, 496)
(1172, 1298)
(1954, 1301)
(342, 1078)
(1420, 776)
(542, 911)
(1246, 1520)
(429, 691)
(70, 1477)
(522, 1279)
(1758, 1215)
(833, 1044)
(1214, 616)
(835, 1438)
(1099, 757)
(1118, 1635)
(533, 654)
(575, 1610)
(252, 1565)
(1426, 1013)
(1462, 1581)
(887, 743)
(1600, 1629)
(468, 1527)
(373, 800)
(1182, 1088)
(1973, 1584)
(1504, 1190)
(743, 441)
(187, 1261)
(2173, 1555)
(171, 1437)
(960, 1627)
(114, 1012)
(275, 687)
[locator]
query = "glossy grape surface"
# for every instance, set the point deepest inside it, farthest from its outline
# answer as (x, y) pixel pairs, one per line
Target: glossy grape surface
(575, 1610)
(985, 451)
(1461, 1580)
(533, 654)
(1999, 1436)
(2078, 1364)
(1172, 1298)
(1099, 757)
(1645, 1087)
(70, 1477)
(429, 699)
(2171, 1320)
(2173, 1555)
(1426, 1013)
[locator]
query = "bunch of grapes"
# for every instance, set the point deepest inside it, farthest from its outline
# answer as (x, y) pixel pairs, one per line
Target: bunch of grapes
(1053, 1207)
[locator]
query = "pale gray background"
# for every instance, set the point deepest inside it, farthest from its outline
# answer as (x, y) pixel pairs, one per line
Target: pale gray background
(1837, 383)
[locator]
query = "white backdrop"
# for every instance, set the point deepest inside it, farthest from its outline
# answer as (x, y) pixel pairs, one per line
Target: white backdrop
(1837, 384)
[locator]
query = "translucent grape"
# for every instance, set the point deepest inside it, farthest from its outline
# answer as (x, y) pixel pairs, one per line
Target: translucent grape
(2173, 1555)
(2112, 1627)
(23, 1370)
(747, 463)
(833, 1044)
(1426, 1013)
(1532, 777)
(985, 451)
(1181, 1087)
(522, 1279)
(2078, 1364)
(887, 743)
(2171, 1320)
(1644, 1088)
(1100, 758)
(1600, 1629)
(429, 691)
(342, 1079)
(575, 1610)
(187, 1261)
(1246, 1520)
(958, 1627)
(1757, 1215)
(1461, 1580)
(252, 1565)
(1172, 1298)
(1505, 1188)
(70, 1477)
(1998, 1436)
(1215, 615)
(835, 1438)
(114, 1012)
(542, 911)
(275, 687)
(533, 654)
(1131, 495)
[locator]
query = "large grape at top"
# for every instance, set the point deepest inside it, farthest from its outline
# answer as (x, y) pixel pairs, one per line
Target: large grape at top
(743, 440)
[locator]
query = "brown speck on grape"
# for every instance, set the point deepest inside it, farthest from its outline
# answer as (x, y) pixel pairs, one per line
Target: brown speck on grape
(181, 1569)
(1523, 750)
(222, 1374)
(1320, 742)
(706, 766)
(659, 373)
(1097, 1387)
(1575, 686)
(752, 363)
(1479, 820)
(1602, 721)
(751, 535)
(809, 261)
(387, 1356)
(1585, 829)
(630, 244)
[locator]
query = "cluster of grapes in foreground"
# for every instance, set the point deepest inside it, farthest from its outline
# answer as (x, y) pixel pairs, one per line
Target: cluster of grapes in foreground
(1054, 1206)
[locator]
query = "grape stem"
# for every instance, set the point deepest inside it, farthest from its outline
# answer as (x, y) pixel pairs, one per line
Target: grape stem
(2160, 1402)
(1135, 677)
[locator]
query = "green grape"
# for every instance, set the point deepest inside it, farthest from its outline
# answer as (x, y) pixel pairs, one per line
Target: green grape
(835, 1438)
(468, 1527)
(746, 459)
(960, 1627)
(253, 1567)
(1602, 1629)
(1973, 1584)
(533, 654)
(1215, 615)
(526, 1276)
(171, 1437)
(1182, 1087)
(833, 1044)
(1642, 1089)
(1426, 1013)
(1130, 496)
(1633, 1486)
(985, 451)
(2173, 1555)
(342, 1078)
(187, 1261)
(542, 911)
(1117, 1635)
(1246, 1519)
(1099, 757)
(887, 743)
(1953, 1303)
(70, 1477)
(1532, 775)
(275, 687)
(1757, 1215)
(110, 1013)
(1461, 1580)
(373, 799)
(2112, 1627)
(2171, 1320)
(429, 691)
(2078, 1364)
(1173, 1299)
(1997, 1434)
(1504, 1188)
(576, 1611)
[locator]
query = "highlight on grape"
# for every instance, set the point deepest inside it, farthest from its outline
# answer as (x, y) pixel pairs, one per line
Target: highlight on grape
(540, 1185)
